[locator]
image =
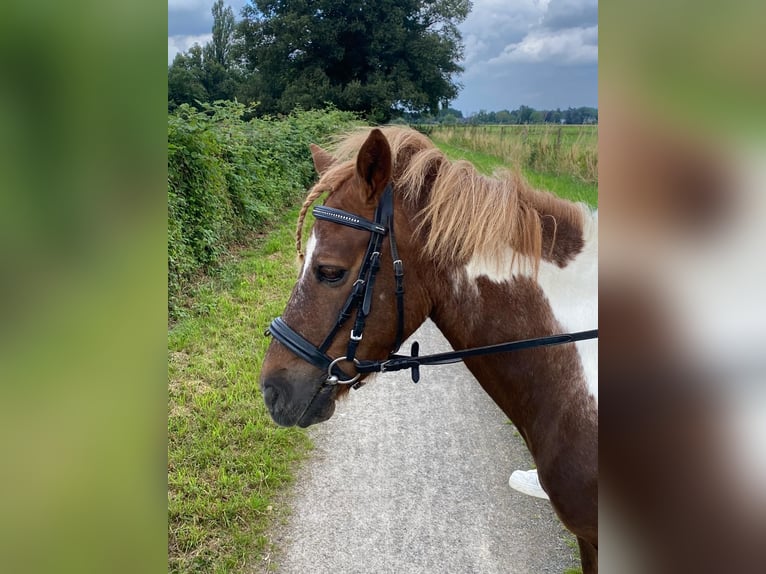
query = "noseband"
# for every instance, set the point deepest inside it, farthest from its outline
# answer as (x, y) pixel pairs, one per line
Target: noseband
(360, 297)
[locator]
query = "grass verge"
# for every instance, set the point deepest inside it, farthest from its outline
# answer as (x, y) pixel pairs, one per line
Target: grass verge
(226, 458)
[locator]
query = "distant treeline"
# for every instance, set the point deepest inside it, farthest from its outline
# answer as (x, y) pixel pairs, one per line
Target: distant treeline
(522, 115)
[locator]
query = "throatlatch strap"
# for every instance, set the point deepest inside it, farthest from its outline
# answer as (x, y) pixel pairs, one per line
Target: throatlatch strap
(399, 278)
(369, 272)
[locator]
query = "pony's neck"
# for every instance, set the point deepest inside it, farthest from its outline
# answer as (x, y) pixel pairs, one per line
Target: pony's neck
(487, 302)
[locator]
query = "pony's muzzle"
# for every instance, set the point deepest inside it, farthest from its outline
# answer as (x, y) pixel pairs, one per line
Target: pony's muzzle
(299, 403)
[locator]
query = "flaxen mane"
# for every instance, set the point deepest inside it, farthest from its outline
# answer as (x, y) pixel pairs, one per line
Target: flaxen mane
(461, 213)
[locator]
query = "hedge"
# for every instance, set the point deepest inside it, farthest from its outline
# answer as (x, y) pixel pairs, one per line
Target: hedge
(226, 176)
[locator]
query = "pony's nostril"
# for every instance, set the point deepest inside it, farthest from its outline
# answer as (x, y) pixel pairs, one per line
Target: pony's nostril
(270, 392)
(276, 392)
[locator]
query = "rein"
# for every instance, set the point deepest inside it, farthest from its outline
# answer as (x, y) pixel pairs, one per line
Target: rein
(413, 361)
(360, 299)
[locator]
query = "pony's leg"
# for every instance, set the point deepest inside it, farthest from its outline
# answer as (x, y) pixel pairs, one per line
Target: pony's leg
(588, 557)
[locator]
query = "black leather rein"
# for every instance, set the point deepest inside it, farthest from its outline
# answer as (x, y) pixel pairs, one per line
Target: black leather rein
(360, 299)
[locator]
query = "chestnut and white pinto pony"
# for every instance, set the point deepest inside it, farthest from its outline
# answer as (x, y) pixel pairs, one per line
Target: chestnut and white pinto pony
(489, 260)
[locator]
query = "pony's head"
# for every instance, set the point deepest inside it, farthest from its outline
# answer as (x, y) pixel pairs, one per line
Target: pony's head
(448, 222)
(335, 280)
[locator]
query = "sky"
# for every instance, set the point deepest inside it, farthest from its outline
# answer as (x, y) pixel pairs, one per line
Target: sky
(539, 53)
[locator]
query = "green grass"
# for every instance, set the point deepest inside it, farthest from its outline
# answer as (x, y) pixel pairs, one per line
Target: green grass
(485, 163)
(569, 151)
(226, 459)
(564, 186)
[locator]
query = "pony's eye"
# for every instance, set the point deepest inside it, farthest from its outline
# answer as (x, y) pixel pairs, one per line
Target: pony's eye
(330, 275)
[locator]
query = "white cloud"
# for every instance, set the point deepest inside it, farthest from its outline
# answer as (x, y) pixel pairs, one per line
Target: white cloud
(561, 14)
(473, 48)
(542, 53)
(571, 46)
(494, 27)
(492, 24)
(181, 43)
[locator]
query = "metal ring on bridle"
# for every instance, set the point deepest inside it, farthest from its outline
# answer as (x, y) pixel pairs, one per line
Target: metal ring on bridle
(333, 380)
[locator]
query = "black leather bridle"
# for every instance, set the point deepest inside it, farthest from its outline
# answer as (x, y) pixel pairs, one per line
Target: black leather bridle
(360, 299)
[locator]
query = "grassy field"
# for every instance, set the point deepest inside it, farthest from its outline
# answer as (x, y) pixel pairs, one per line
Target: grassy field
(561, 151)
(564, 185)
(227, 461)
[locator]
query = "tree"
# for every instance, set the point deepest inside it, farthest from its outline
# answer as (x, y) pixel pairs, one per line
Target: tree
(449, 119)
(223, 35)
(220, 78)
(447, 111)
(207, 73)
(377, 57)
(186, 78)
(504, 117)
(525, 114)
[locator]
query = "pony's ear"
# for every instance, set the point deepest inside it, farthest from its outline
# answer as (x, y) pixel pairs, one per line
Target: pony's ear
(322, 159)
(373, 164)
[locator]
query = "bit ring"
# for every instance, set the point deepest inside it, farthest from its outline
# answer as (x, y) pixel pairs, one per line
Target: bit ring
(333, 380)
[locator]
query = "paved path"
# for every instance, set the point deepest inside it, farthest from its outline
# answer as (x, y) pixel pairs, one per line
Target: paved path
(411, 479)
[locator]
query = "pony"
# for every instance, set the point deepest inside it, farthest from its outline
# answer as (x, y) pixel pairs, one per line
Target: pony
(488, 259)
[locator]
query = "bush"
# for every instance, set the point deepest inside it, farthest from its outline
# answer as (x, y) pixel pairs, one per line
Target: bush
(226, 176)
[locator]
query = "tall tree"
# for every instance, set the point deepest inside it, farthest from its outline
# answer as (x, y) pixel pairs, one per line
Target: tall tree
(223, 34)
(377, 57)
